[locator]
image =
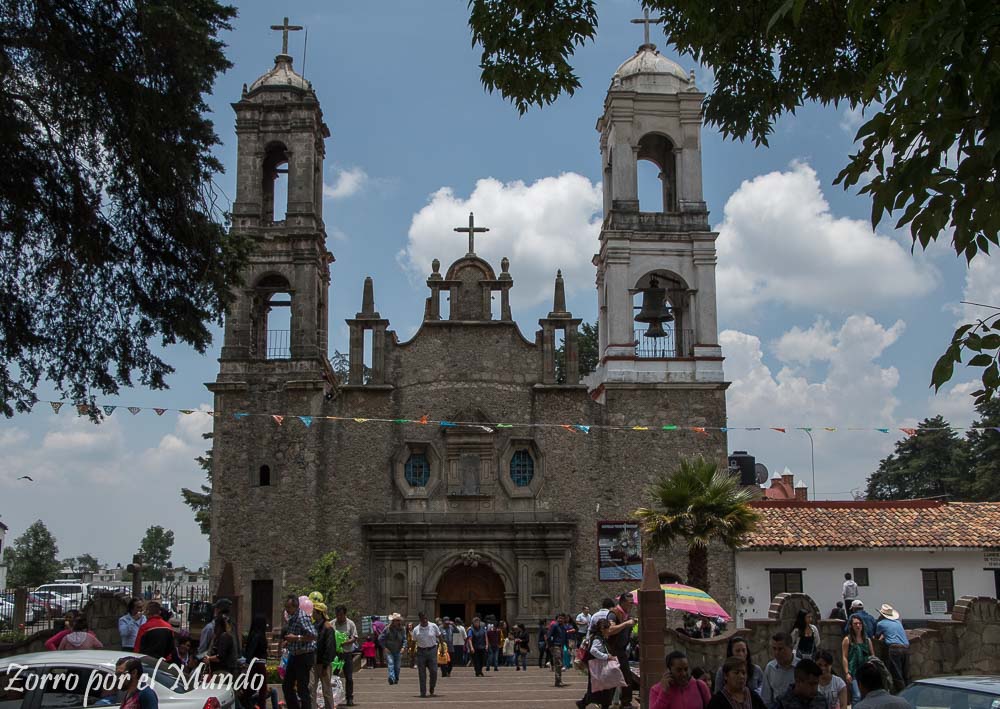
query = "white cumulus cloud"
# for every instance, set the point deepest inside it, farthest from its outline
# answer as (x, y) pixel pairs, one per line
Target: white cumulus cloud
(853, 389)
(550, 224)
(348, 182)
(83, 469)
(982, 285)
(779, 243)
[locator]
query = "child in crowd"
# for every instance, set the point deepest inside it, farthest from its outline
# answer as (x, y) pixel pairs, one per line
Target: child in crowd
(368, 651)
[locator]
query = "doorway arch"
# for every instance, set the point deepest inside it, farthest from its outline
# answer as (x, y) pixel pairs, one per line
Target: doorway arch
(468, 591)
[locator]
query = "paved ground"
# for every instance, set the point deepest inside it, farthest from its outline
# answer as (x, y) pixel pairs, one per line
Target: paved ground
(507, 688)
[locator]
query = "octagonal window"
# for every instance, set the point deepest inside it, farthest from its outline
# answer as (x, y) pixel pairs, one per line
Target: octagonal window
(417, 470)
(522, 468)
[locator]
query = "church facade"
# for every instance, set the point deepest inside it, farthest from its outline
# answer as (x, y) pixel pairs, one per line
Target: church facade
(488, 476)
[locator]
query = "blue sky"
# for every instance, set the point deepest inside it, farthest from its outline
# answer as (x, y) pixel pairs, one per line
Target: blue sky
(825, 323)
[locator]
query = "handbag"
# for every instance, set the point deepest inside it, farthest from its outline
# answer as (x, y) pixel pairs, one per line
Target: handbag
(605, 674)
(508, 647)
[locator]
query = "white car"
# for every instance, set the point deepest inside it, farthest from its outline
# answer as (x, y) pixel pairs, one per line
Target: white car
(61, 678)
(75, 594)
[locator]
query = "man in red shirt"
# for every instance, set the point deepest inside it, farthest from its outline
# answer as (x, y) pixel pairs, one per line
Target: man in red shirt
(156, 636)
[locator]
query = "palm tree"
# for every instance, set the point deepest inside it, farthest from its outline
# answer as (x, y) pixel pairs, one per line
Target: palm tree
(698, 503)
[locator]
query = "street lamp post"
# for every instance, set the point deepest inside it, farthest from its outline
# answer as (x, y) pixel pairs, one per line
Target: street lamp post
(812, 459)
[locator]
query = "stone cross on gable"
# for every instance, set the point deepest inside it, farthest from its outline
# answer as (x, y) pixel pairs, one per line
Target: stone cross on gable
(646, 21)
(472, 230)
(285, 28)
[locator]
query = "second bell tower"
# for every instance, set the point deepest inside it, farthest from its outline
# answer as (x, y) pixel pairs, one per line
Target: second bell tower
(656, 267)
(282, 310)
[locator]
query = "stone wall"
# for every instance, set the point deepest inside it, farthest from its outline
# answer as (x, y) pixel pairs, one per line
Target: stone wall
(969, 643)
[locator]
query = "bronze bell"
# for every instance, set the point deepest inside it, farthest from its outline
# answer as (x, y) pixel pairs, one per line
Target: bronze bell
(654, 309)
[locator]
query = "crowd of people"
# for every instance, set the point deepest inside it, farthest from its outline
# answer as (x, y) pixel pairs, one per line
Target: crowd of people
(316, 647)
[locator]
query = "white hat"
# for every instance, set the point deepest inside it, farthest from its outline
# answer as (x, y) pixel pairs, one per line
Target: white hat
(857, 604)
(395, 616)
(889, 612)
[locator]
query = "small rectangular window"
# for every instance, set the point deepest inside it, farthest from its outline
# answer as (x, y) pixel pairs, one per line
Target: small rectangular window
(939, 586)
(861, 576)
(785, 581)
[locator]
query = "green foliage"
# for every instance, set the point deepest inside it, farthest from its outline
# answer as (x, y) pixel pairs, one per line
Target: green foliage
(934, 462)
(155, 548)
(925, 73)
(586, 352)
(111, 244)
(201, 502)
(982, 340)
(331, 578)
(88, 563)
(698, 504)
(526, 45)
(33, 557)
(984, 453)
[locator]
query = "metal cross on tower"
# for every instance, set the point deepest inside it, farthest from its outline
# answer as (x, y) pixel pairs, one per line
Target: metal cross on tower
(285, 28)
(472, 230)
(646, 21)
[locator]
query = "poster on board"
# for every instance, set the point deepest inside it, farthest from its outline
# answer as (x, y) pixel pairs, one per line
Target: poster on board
(619, 551)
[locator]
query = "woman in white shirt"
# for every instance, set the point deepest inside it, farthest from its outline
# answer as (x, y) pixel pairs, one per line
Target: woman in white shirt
(830, 685)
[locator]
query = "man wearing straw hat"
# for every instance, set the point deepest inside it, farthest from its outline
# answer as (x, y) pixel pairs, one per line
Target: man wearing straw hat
(393, 638)
(889, 630)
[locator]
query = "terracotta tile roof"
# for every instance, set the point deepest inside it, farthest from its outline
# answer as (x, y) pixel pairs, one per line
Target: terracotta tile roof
(795, 524)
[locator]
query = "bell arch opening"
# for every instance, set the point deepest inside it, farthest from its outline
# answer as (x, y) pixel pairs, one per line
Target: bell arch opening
(273, 318)
(469, 591)
(656, 173)
(659, 301)
(274, 203)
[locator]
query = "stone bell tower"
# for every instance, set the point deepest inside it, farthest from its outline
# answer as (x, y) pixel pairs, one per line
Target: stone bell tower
(660, 263)
(280, 312)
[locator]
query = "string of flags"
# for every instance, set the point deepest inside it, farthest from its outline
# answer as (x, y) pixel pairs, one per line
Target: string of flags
(280, 419)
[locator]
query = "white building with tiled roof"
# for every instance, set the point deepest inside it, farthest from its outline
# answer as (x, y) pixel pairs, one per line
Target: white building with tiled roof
(917, 555)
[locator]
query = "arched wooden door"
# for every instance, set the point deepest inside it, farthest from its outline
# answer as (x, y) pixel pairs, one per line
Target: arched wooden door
(468, 591)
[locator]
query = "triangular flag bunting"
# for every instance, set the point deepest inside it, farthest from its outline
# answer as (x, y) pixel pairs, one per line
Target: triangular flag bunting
(109, 409)
(807, 429)
(186, 411)
(699, 429)
(909, 431)
(669, 428)
(829, 428)
(360, 420)
(779, 430)
(159, 412)
(82, 409)
(752, 428)
(56, 405)
(402, 421)
(567, 427)
(640, 428)
(582, 429)
(723, 429)
(486, 428)
(447, 424)
(307, 420)
(239, 415)
(423, 420)
(134, 410)
(277, 419)
(882, 430)
(505, 425)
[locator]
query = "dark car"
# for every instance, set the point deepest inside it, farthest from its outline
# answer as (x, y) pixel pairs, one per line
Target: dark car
(954, 692)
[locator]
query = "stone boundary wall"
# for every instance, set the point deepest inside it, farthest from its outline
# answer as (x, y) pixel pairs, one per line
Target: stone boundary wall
(969, 643)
